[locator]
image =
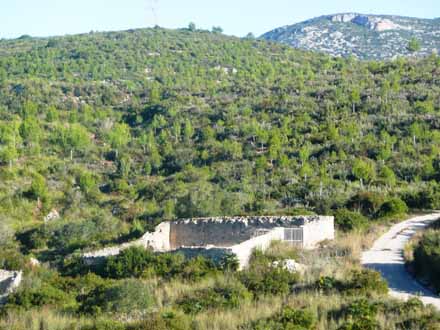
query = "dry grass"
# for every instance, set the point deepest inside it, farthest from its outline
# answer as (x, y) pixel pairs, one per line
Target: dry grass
(167, 293)
(232, 319)
(44, 319)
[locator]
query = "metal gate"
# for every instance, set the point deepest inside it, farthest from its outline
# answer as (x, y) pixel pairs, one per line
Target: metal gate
(293, 235)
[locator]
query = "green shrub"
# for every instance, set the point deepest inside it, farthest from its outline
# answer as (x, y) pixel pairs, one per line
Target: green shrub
(360, 324)
(427, 198)
(427, 258)
(287, 319)
(361, 315)
(44, 295)
(393, 207)
(105, 325)
(297, 319)
(366, 282)
(229, 263)
(328, 284)
(139, 262)
(129, 297)
(67, 236)
(346, 220)
(267, 279)
(196, 268)
(80, 234)
(228, 295)
(10, 256)
(422, 322)
(169, 320)
(131, 262)
(367, 203)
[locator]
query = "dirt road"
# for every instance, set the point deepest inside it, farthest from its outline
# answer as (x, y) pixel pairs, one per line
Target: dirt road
(386, 256)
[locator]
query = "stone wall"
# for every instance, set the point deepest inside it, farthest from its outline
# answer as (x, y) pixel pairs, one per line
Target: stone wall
(194, 233)
(228, 231)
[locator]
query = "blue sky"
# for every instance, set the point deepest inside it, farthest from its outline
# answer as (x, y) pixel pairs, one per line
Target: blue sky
(237, 17)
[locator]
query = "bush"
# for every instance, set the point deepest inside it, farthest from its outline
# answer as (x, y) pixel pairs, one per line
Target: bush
(105, 325)
(361, 315)
(346, 220)
(427, 198)
(67, 236)
(288, 319)
(131, 262)
(423, 322)
(44, 295)
(367, 203)
(392, 207)
(80, 234)
(227, 295)
(169, 320)
(139, 262)
(127, 297)
(196, 268)
(229, 263)
(427, 258)
(10, 256)
(268, 280)
(366, 282)
(328, 284)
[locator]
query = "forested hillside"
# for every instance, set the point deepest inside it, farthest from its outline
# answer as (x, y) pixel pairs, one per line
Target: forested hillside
(119, 131)
(156, 124)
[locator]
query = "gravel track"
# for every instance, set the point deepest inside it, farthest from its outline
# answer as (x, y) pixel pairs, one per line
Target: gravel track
(386, 256)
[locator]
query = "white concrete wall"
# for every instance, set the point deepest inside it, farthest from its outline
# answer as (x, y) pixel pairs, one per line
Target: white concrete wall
(318, 231)
(244, 250)
(159, 241)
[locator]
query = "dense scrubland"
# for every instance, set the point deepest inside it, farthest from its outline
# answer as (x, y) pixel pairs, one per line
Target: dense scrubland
(120, 131)
(423, 256)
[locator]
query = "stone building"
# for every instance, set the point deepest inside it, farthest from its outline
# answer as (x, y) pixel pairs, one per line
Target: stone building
(237, 235)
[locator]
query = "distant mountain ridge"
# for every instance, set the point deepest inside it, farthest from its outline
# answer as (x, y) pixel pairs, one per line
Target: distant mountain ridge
(363, 36)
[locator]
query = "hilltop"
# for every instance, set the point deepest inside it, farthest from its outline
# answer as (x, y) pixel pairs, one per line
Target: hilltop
(363, 36)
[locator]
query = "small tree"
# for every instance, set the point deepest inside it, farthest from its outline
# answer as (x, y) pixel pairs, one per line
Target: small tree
(388, 176)
(192, 27)
(38, 189)
(393, 207)
(355, 98)
(348, 220)
(217, 29)
(364, 171)
(119, 136)
(414, 45)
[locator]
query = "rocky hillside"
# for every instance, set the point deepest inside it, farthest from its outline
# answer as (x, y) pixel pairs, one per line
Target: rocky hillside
(364, 36)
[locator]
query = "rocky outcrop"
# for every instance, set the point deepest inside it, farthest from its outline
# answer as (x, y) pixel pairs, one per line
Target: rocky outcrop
(53, 215)
(363, 36)
(290, 265)
(375, 23)
(9, 281)
(343, 18)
